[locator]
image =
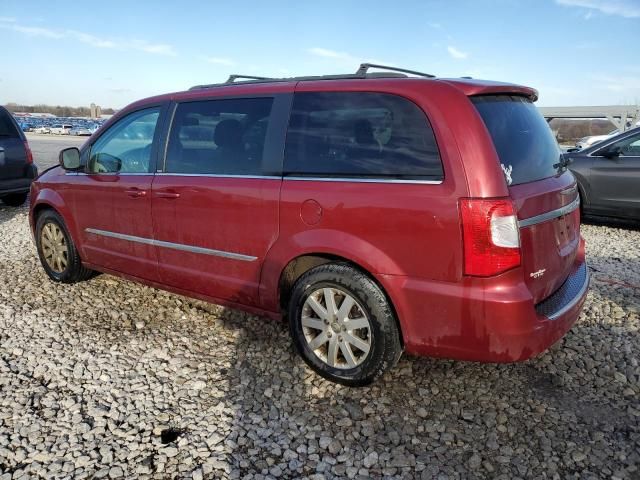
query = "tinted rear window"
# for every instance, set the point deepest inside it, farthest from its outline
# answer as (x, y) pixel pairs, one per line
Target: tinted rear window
(223, 137)
(7, 128)
(360, 135)
(525, 144)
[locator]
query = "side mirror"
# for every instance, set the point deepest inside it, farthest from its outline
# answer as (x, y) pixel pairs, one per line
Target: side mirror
(611, 152)
(69, 159)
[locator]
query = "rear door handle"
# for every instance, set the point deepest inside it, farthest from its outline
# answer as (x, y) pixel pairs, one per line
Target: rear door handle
(136, 192)
(169, 195)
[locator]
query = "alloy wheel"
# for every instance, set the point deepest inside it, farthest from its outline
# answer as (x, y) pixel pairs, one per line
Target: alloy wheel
(336, 328)
(54, 247)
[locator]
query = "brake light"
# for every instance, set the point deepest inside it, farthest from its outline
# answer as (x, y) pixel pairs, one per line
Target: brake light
(29, 154)
(490, 235)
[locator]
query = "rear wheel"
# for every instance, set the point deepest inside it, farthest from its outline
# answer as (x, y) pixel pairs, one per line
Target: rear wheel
(342, 325)
(58, 254)
(15, 199)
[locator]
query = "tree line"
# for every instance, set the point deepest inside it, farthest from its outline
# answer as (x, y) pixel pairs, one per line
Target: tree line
(57, 110)
(570, 130)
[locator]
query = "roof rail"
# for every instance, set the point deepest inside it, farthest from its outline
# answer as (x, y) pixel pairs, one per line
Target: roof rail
(364, 67)
(233, 78)
(362, 72)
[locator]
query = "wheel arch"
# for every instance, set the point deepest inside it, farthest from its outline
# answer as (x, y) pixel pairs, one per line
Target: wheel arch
(301, 264)
(48, 199)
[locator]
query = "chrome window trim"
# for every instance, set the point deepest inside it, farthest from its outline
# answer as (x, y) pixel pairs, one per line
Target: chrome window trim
(218, 175)
(363, 180)
(527, 222)
(575, 299)
(112, 174)
(174, 246)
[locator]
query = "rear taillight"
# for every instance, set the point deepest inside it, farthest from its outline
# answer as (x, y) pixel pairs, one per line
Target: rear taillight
(491, 236)
(29, 154)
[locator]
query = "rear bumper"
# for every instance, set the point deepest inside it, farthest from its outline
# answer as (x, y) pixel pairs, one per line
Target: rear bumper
(19, 185)
(488, 320)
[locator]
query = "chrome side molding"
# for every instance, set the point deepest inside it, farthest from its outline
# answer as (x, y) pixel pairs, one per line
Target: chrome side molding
(174, 246)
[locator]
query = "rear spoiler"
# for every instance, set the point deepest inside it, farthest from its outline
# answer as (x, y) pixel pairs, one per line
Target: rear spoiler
(471, 87)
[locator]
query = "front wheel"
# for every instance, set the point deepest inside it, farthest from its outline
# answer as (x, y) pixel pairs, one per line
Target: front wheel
(15, 199)
(342, 325)
(58, 254)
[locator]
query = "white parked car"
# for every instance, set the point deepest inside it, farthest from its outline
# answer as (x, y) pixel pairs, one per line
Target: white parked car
(61, 129)
(42, 129)
(586, 142)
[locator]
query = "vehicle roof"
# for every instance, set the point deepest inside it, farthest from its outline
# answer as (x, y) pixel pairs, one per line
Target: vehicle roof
(467, 86)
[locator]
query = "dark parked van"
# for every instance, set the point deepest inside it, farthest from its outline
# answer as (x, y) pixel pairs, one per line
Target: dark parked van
(17, 170)
(378, 213)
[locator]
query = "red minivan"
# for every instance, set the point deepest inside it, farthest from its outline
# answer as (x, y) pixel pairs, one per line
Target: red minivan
(377, 212)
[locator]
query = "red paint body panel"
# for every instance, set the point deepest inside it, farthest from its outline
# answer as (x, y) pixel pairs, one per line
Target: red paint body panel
(227, 214)
(549, 246)
(407, 236)
(479, 319)
(108, 203)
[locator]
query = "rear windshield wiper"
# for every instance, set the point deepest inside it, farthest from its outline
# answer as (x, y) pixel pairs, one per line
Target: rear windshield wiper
(563, 163)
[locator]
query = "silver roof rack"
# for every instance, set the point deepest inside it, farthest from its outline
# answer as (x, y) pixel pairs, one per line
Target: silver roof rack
(361, 73)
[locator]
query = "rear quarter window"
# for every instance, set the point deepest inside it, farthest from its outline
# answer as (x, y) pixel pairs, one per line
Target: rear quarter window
(526, 147)
(360, 135)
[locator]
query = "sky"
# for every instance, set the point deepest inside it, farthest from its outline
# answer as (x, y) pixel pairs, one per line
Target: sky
(575, 52)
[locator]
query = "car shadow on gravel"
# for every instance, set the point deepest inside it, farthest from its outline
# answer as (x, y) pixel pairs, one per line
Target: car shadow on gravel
(424, 418)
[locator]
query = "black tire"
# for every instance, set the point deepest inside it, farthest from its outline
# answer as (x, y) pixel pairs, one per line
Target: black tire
(15, 199)
(74, 270)
(385, 346)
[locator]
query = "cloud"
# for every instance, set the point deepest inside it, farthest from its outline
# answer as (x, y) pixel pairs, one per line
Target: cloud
(157, 49)
(435, 25)
(324, 52)
(219, 61)
(33, 31)
(623, 8)
(344, 58)
(455, 53)
(88, 39)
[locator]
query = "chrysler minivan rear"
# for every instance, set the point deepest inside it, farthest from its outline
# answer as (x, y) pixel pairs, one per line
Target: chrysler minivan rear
(525, 277)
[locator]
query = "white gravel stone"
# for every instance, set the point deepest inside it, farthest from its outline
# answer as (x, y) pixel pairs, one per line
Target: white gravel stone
(95, 375)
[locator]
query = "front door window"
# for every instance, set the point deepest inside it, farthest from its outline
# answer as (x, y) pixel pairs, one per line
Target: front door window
(126, 146)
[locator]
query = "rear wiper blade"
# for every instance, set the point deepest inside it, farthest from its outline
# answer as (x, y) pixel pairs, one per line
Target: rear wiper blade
(563, 163)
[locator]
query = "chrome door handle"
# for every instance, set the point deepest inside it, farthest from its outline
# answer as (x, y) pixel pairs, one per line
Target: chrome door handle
(136, 193)
(169, 195)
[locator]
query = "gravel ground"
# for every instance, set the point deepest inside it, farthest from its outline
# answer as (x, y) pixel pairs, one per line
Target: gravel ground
(111, 379)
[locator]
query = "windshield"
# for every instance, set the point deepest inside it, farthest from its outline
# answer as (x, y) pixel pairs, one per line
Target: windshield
(525, 144)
